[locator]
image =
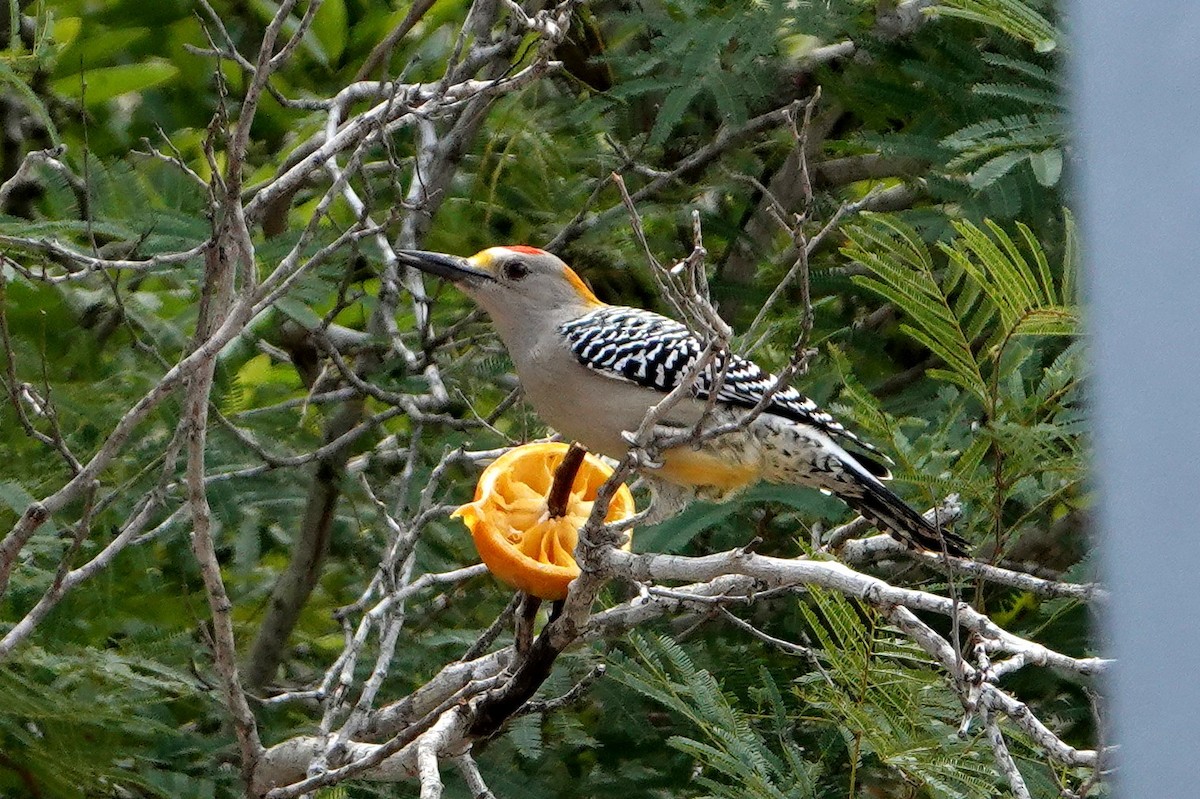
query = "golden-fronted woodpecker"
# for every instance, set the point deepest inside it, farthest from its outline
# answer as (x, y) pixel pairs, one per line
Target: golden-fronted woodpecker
(593, 371)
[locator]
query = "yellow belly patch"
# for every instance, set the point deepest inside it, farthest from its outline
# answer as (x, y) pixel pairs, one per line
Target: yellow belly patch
(688, 467)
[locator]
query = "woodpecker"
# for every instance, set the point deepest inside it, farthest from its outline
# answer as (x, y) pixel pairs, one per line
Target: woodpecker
(593, 371)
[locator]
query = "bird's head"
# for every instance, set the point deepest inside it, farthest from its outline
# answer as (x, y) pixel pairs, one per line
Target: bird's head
(511, 283)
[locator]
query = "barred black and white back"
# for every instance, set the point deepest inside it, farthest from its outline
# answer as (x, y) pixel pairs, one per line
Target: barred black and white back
(655, 352)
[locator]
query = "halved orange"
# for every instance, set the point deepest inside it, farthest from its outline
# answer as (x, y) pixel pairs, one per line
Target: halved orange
(511, 525)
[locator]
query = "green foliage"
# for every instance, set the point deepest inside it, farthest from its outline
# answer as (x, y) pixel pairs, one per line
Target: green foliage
(892, 716)
(1016, 18)
(893, 709)
(103, 84)
(739, 759)
(1036, 135)
(73, 718)
(700, 53)
(990, 310)
(990, 293)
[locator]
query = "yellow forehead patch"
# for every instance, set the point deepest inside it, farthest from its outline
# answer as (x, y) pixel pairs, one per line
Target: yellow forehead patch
(485, 259)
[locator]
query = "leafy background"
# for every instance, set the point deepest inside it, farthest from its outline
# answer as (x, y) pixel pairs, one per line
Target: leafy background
(945, 325)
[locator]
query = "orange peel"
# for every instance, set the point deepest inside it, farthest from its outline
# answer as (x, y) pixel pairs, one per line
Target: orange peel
(510, 522)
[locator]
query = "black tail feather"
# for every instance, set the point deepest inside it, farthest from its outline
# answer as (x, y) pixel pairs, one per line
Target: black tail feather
(881, 507)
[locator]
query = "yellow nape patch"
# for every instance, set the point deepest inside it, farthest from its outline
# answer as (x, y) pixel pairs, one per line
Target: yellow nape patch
(688, 467)
(577, 282)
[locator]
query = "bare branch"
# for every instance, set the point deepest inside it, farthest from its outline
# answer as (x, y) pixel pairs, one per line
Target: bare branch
(778, 572)
(24, 172)
(472, 777)
(1004, 760)
(881, 546)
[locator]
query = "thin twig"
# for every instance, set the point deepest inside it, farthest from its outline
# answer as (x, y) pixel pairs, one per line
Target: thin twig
(564, 481)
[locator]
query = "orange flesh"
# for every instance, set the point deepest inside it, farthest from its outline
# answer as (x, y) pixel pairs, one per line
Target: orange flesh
(512, 528)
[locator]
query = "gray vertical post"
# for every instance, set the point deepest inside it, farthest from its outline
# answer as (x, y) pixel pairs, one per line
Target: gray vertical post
(1136, 94)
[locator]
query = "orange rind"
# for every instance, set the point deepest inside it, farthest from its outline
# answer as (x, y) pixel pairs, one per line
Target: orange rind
(510, 522)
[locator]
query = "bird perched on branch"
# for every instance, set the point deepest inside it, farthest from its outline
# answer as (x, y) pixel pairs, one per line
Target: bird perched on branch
(594, 370)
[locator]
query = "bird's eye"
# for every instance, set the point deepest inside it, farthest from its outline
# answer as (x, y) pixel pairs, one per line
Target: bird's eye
(515, 270)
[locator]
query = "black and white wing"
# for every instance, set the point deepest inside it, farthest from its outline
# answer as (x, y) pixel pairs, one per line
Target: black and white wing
(656, 352)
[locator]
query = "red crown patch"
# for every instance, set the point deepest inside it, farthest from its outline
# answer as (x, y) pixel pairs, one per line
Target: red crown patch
(525, 249)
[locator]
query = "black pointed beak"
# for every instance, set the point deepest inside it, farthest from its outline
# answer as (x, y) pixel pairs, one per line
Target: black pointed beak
(451, 267)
